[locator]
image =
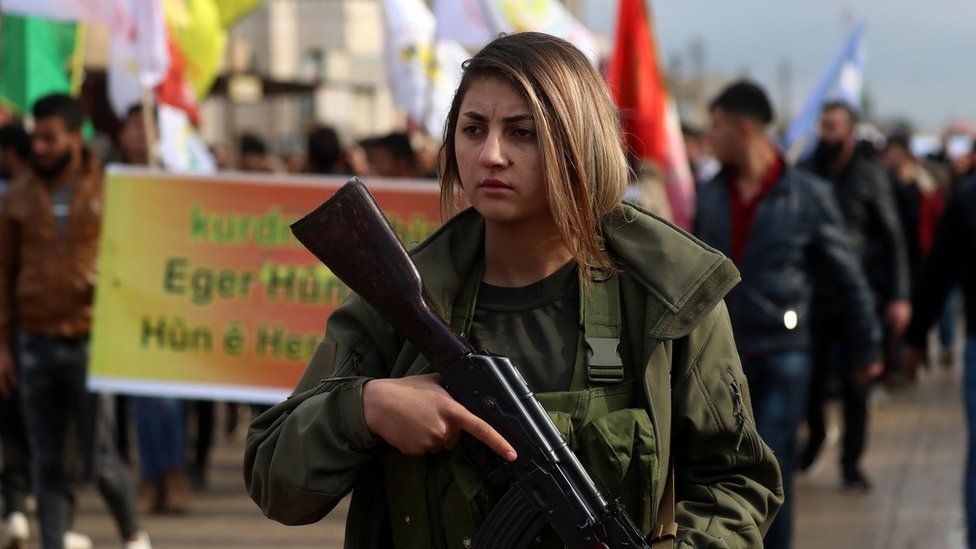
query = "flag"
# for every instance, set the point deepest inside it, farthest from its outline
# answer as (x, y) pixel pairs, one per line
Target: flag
(59, 10)
(648, 115)
(473, 23)
(175, 89)
(843, 81)
(231, 11)
(464, 22)
(199, 29)
(181, 149)
(423, 72)
(139, 55)
(35, 54)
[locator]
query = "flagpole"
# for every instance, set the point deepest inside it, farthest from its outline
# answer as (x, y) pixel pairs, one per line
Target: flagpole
(429, 68)
(78, 59)
(149, 122)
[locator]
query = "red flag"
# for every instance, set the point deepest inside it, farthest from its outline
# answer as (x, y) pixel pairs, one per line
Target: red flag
(175, 89)
(649, 119)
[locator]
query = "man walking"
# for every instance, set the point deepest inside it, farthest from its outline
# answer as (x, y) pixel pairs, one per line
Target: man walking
(951, 261)
(776, 223)
(15, 147)
(49, 226)
(874, 231)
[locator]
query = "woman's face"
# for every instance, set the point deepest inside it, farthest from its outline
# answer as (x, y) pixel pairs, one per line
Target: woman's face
(497, 155)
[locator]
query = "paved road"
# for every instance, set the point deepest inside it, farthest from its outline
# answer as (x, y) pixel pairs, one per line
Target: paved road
(915, 458)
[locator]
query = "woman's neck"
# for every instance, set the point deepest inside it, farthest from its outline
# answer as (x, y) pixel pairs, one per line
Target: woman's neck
(519, 255)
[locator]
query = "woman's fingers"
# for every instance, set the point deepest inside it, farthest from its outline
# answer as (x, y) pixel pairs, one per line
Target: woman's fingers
(480, 430)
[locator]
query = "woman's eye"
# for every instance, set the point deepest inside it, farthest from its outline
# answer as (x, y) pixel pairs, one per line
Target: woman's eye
(471, 129)
(524, 133)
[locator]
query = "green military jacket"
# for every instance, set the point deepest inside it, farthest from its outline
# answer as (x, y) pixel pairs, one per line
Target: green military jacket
(305, 454)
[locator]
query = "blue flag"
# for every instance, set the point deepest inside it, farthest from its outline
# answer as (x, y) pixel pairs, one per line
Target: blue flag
(843, 81)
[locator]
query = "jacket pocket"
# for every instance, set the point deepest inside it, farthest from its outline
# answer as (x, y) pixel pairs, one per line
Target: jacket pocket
(619, 450)
(747, 440)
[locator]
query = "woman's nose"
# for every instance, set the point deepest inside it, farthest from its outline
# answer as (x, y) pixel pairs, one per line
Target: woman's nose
(492, 153)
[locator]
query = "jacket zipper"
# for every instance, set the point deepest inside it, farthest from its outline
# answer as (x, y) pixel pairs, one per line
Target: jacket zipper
(740, 415)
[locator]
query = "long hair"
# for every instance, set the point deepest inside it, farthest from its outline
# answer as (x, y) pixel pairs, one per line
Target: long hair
(583, 164)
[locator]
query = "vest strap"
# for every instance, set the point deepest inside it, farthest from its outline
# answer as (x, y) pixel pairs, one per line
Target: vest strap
(600, 315)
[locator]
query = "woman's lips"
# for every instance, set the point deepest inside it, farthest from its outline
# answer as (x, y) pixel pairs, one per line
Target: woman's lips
(494, 187)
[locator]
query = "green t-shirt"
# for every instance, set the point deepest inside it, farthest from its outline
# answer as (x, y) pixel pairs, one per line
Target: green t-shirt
(536, 326)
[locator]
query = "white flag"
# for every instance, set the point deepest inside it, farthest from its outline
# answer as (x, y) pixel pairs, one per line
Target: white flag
(181, 148)
(422, 72)
(464, 22)
(111, 13)
(139, 56)
(475, 22)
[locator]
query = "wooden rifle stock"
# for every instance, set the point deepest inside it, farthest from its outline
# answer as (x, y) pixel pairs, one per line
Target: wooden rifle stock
(350, 235)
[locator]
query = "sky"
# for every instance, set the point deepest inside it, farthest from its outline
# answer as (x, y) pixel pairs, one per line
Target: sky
(921, 57)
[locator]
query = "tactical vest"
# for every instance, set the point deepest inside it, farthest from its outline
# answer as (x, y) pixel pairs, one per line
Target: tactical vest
(439, 501)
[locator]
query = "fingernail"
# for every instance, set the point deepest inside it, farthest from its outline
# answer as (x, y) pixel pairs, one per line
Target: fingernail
(510, 455)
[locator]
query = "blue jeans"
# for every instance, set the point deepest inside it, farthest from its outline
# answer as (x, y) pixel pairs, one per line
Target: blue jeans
(969, 396)
(161, 433)
(779, 384)
(65, 426)
(950, 314)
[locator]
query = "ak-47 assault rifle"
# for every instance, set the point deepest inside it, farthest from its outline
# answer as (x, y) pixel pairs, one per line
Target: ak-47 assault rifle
(350, 235)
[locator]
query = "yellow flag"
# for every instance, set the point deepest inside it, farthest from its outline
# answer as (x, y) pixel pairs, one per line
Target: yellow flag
(199, 29)
(232, 10)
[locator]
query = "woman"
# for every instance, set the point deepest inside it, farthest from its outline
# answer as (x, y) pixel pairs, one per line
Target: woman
(549, 268)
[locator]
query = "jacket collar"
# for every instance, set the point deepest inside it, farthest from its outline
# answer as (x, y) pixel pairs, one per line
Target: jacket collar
(684, 277)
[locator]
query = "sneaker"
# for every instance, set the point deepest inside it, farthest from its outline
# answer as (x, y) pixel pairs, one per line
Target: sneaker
(854, 479)
(16, 532)
(74, 540)
(141, 542)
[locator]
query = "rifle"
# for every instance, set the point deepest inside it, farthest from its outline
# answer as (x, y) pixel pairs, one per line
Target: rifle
(350, 235)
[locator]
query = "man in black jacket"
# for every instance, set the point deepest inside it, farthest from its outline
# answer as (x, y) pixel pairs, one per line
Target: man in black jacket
(864, 194)
(776, 223)
(952, 260)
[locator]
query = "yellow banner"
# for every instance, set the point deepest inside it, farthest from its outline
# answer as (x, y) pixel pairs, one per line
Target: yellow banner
(203, 291)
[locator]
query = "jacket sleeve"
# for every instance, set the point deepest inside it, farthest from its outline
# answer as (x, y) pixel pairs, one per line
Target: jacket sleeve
(728, 484)
(304, 454)
(942, 268)
(9, 265)
(830, 247)
(885, 214)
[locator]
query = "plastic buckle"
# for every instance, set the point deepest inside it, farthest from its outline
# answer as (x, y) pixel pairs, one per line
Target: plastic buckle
(603, 360)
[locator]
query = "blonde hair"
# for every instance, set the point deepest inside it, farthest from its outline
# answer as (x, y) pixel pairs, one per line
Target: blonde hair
(584, 168)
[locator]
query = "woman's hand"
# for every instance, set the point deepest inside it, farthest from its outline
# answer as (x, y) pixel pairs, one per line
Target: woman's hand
(417, 416)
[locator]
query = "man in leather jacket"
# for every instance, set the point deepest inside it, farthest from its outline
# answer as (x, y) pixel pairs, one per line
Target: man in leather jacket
(864, 194)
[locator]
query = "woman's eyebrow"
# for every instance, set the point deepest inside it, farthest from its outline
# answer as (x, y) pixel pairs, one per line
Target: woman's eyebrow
(508, 119)
(475, 116)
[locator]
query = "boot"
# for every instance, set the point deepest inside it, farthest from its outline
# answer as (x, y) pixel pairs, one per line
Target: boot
(149, 498)
(176, 491)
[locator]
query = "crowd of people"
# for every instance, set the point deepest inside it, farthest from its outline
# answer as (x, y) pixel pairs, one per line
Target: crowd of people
(50, 221)
(396, 154)
(831, 253)
(847, 259)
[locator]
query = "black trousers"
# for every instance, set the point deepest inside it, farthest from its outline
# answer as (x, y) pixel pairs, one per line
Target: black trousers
(15, 475)
(831, 352)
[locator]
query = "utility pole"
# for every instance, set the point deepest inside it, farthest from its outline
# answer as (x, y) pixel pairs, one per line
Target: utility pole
(784, 78)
